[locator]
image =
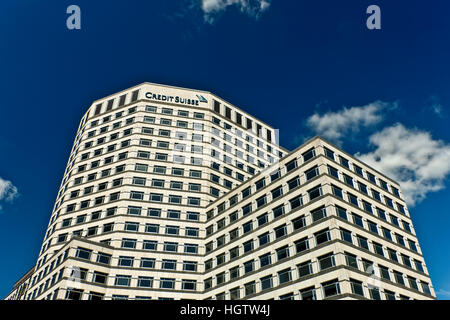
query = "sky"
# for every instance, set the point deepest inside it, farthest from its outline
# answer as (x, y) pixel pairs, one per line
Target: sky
(305, 67)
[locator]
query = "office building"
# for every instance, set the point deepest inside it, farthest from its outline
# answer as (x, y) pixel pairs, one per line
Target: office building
(173, 193)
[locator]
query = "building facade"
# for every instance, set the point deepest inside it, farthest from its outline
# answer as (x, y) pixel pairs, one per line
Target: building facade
(173, 193)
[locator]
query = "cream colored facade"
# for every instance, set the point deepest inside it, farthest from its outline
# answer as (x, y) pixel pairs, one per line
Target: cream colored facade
(171, 193)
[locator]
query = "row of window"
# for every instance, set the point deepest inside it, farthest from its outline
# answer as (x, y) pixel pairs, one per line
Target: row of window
(294, 203)
(363, 188)
(369, 208)
(268, 258)
(362, 173)
(198, 128)
(376, 229)
(261, 183)
(383, 272)
(380, 250)
(277, 232)
(328, 289)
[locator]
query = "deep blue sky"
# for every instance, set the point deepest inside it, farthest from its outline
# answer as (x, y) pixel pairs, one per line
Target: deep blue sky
(297, 58)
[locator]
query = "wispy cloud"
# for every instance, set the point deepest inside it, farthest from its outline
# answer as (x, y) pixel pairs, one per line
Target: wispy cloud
(443, 294)
(8, 192)
(253, 8)
(335, 125)
(434, 105)
(411, 157)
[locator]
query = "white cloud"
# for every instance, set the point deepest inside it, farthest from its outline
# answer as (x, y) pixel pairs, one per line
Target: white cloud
(250, 7)
(444, 294)
(412, 158)
(7, 191)
(437, 108)
(336, 125)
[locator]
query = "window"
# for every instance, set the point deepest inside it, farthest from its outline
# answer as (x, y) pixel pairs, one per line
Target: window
(329, 153)
(344, 162)
(266, 282)
(315, 192)
(249, 266)
(376, 195)
(357, 287)
(173, 230)
(351, 260)
(322, 236)
(291, 165)
(299, 222)
(392, 255)
(280, 231)
(389, 295)
(326, 261)
(248, 246)
(136, 195)
(363, 188)
(337, 191)
(358, 220)
(148, 263)
(246, 209)
(123, 280)
(170, 246)
(134, 210)
(386, 233)
(333, 172)
(301, 245)
(260, 184)
(275, 175)
(367, 207)
(362, 242)
(154, 212)
(129, 243)
(149, 245)
(74, 294)
(83, 253)
(190, 248)
(156, 197)
(103, 258)
(265, 260)
(261, 201)
(284, 276)
(234, 252)
(346, 235)
(169, 264)
(131, 226)
(282, 253)
(250, 287)
(296, 202)
(373, 227)
(358, 170)
(341, 212)
(247, 227)
(277, 192)
(399, 278)
(389, 202)
(331, 288)
(173, 214)
(262, 219)
(308, 154)
(126, 261)
(246, 193)
(99, 277)
(188, 284)
(167, 283)
(381, 214)
(146, 282)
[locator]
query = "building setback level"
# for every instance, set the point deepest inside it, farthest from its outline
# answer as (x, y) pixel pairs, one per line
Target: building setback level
(173, 193)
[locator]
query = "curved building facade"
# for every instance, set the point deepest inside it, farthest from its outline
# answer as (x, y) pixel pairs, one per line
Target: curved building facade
(173, 193)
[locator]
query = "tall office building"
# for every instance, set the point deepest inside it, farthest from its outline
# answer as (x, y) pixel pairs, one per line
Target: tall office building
(173, 193)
